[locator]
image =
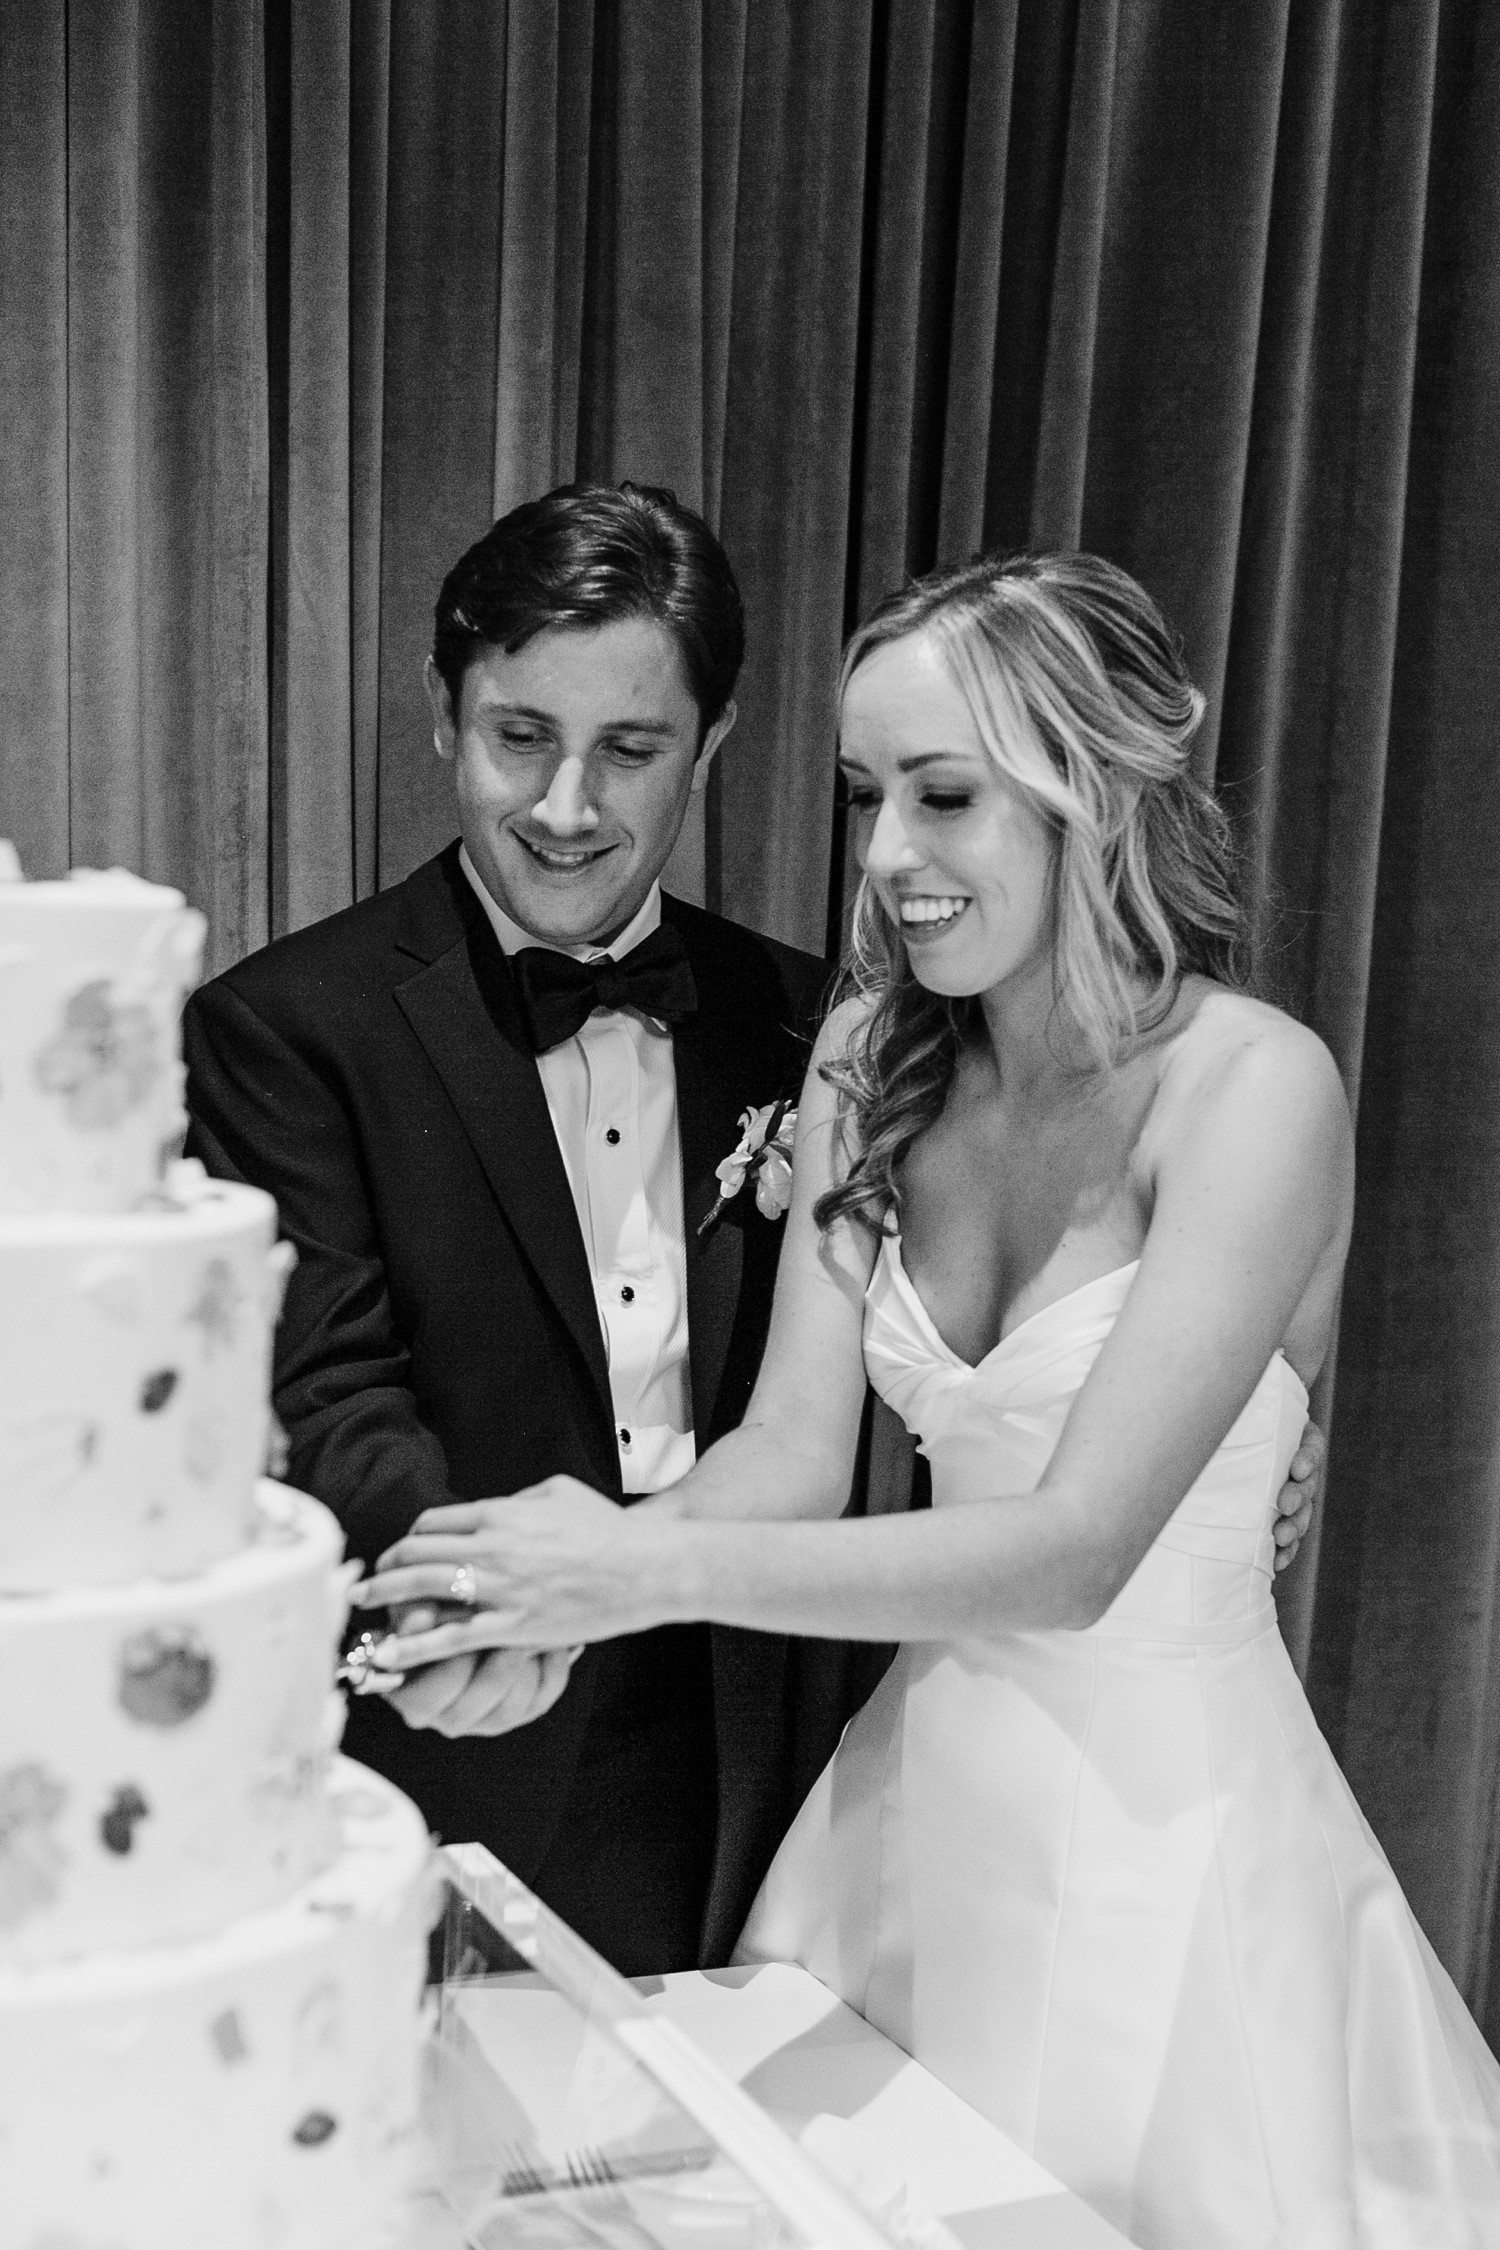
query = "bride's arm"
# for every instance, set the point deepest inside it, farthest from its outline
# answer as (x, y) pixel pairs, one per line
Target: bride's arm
(1253, 1182)
(1253, 1192)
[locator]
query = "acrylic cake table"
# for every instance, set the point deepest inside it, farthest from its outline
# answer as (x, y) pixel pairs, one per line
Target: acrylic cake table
(568, 2110)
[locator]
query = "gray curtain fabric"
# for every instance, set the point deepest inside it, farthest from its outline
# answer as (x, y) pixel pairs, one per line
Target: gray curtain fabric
(133, 468)
(298, 295)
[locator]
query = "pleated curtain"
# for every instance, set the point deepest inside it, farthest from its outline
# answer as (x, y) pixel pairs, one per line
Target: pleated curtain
(133, 453)
(296, 295)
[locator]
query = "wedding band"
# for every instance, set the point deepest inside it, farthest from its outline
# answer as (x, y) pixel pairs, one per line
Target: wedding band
(465, 1586)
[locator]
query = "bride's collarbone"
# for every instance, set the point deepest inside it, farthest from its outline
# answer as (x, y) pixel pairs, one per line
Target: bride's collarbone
(1022, 1186)
(1010, 1200)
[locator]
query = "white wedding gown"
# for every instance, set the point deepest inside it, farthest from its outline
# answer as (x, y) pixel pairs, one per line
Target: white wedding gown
(1111, 1886)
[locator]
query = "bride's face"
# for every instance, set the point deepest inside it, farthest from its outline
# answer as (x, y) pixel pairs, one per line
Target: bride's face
(958, 856)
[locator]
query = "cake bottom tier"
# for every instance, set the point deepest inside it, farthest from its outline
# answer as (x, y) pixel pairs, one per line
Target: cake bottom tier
(256, 2090)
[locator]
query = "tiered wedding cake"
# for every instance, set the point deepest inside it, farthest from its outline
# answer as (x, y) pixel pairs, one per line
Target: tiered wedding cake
(211, 1929)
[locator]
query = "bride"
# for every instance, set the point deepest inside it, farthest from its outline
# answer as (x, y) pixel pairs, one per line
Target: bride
(1079, 1205)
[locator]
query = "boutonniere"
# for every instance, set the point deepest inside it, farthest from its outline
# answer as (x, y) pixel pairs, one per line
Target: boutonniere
(764, 1154)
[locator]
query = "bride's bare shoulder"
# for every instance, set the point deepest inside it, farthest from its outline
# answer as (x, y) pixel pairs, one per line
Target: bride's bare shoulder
(843, 1027)
(1227, 1052)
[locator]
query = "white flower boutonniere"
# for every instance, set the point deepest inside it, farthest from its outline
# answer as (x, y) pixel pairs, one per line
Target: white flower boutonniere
(764, 1154)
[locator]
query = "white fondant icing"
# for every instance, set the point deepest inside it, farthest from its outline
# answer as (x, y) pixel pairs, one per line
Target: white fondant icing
(92, 972)
(169, 2098)
(134, 1365)
(210, 1962)
(165, 1746)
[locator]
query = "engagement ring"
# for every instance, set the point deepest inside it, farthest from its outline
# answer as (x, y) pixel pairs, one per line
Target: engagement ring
(465, 1586)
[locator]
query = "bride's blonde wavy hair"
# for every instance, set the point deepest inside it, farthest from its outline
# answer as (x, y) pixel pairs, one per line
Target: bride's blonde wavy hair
(1080, 695)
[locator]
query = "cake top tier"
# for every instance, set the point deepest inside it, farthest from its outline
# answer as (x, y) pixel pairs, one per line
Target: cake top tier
(93, 971)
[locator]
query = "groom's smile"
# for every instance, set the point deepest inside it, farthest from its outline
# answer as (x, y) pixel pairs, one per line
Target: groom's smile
(561, 863)
(573, 761)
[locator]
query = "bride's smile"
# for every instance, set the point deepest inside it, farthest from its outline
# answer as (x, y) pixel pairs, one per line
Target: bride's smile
(959, 857)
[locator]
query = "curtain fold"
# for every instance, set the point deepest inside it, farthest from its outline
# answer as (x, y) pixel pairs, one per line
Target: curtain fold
(35, 768)
(1404, 1649)
(969, 392)
(544, 209)
(1307, 696)
(448, 96)
(298, 296)
(312, 732)
(369, 132)
(135, 462)
(106, 770)
(1193, 130)
(784, 517)
(656, 181)
(202, 461)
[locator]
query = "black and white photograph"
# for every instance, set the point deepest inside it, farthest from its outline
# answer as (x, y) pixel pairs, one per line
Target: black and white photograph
(750, 1125)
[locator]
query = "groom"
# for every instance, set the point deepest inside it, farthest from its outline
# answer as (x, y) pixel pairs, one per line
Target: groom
(490, 1103)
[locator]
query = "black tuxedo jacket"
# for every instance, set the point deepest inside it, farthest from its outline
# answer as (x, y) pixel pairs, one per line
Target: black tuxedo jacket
(440, 1339)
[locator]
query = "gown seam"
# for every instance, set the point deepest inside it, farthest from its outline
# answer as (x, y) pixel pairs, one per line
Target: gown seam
(1241, 2014)
(1310, 1802)
(1455, 2089)
(1067, 1862)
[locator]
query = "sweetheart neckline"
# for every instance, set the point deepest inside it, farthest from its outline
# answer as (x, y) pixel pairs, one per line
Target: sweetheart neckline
(892, 1246)
(972, 1366)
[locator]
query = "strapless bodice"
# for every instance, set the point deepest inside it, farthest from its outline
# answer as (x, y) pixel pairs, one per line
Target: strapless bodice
(991, 1429)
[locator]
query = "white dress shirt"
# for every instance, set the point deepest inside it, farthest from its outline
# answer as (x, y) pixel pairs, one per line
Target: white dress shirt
(611, 1092)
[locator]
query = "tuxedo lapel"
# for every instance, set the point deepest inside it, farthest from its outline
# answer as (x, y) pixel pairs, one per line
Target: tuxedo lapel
(461, 1004)
(742, 1048)
(709, 1100)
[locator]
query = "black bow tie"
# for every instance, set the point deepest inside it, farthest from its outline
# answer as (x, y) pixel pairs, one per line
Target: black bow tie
(559, 994)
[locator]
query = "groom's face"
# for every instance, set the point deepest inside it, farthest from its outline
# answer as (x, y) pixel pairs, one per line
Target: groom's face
(573, 760)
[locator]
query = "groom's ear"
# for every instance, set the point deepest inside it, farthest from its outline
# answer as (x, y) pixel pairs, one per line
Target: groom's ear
(711, 744)
(444, 717)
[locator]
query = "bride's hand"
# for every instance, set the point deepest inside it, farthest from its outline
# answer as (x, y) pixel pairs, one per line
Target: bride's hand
(552, 1567)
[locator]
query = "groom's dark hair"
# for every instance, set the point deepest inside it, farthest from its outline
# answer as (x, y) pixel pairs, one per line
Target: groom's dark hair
(589, 555)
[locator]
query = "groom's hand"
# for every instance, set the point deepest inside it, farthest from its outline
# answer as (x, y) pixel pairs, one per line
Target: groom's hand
(487, 1693)
(1299, 1495)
